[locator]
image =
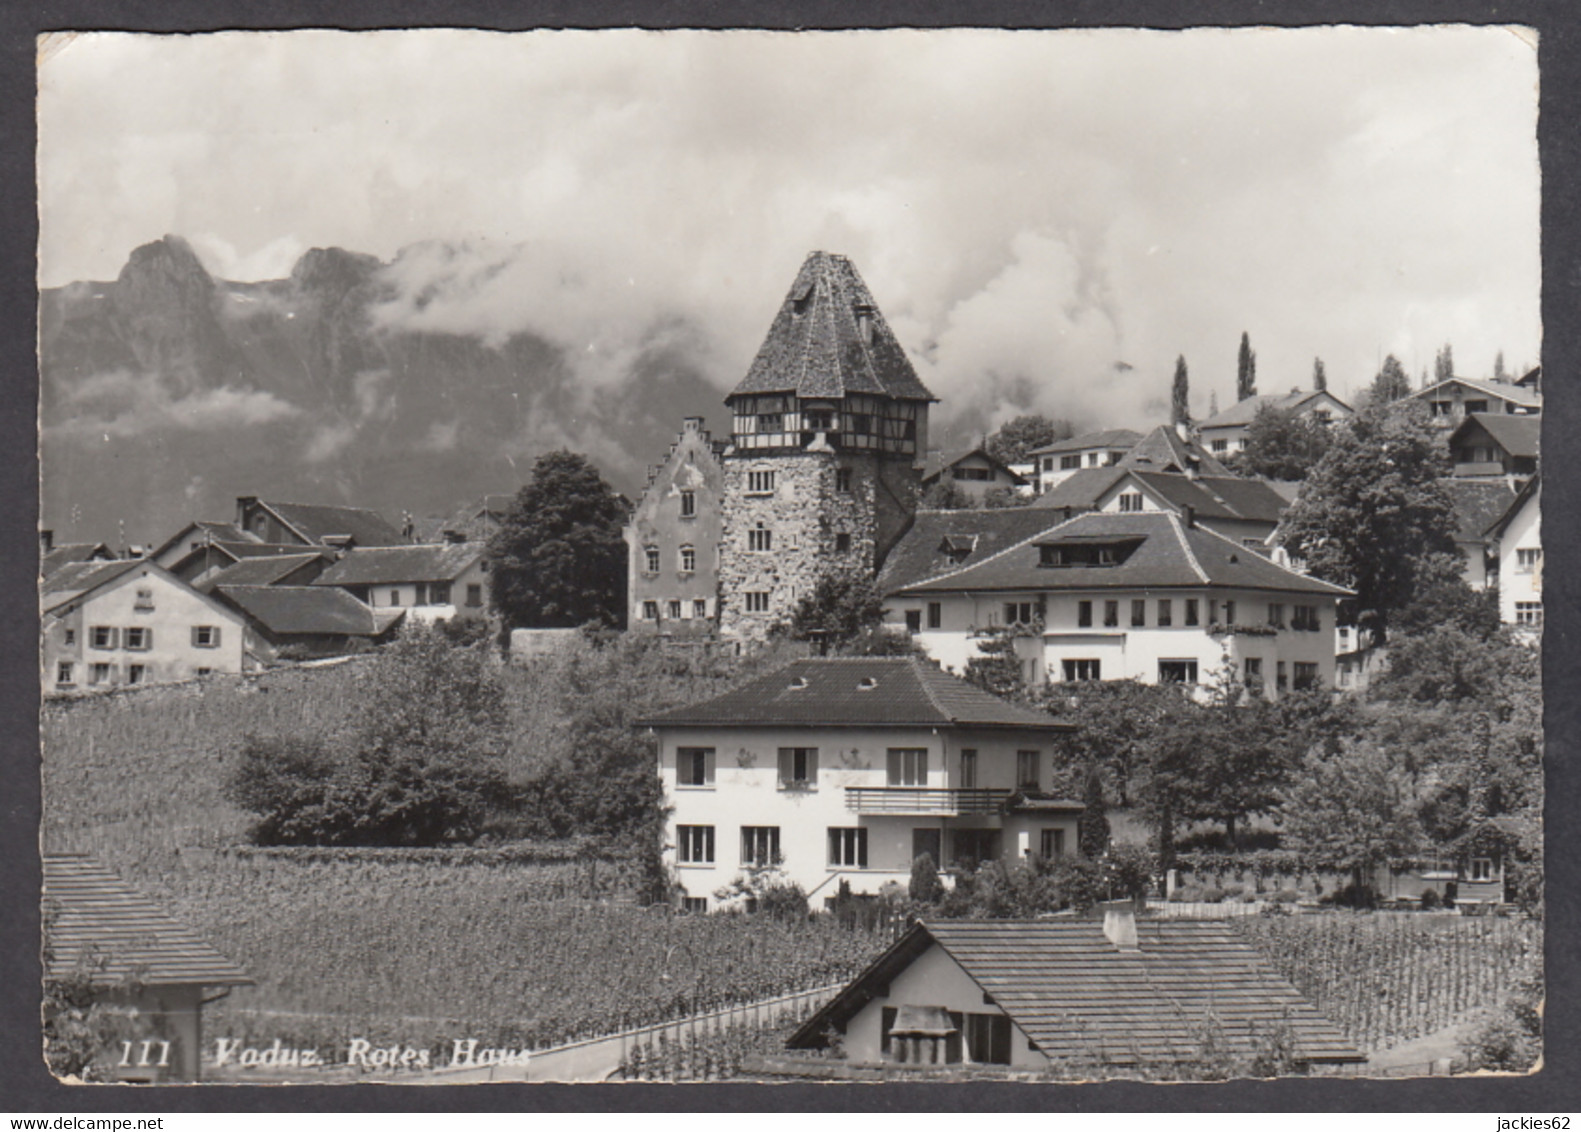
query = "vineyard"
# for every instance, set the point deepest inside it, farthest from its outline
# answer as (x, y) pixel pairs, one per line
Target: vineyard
(1388, 978)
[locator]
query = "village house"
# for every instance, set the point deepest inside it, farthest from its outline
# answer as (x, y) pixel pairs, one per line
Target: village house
(827, 430)
(138, 959)
(306, 622)
(1518, 548)
(202, 549)
(1225, 433)
(1078, 996)
(1451, 400)
(1478, 505)
(1246, 511)
(849, 768)
(107, 624)
(1489, 445)
(314, 524)
(477, 521)
(435, 582)
(1057, 462)
(972, 471)
(1145, 595)
(269, 570)
(52, 557)
(672, 575)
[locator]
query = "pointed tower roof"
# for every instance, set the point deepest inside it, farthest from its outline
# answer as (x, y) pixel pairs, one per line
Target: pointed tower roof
(817, 346)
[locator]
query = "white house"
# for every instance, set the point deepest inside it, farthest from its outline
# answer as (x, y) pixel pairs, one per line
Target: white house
(1224, 434)
(435, 582)
(1518, 543)
(973, 472)
(850, 768)
(1145, 595)
(1062, 459)
(1451, 400)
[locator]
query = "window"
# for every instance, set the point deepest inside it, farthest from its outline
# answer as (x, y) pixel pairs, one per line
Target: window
(1306, 675)
(907, 766)
(144, 600)
(1281, 681)
(138, 639)
(818, 419)
(974, 845)
(1018, 613)
(968, 774)
(700, 608)
(760, 845)
(935, 614)
(674, 609)
(1070, 463)
(1111, 614)
(650, 611)
(1084, 614)
(101, 637)
(1083, 670)
(439, 593)
(202, 672)
(395, 597)
(1305, 618)
(760, 538)
(1220, 446)
(913, 620)
(1138, 613)
(757, 601)
(1191, 611)
(1093, 459)
(1254, 673)
(1051, 843)
(771, 422)
(961, 473)
(694, 905)
(798, 768)
(760, 483)
(420, 593)
(474, 595)
(63, 672)
(842, 542)
(1166, 612)
(694, 766)
(650, 559)
(1476, 406)
(1213, 611)
(1276, 614)
(688, 559)
(135, 673)
(1027, 769)
(1529, 613)
(99, 674)
(842, 480)
(1229, 613)
(848, 848)
(1177, 672)
(988, 1039)
(1481, 870)
(1527, 559)
(1130, 501)
(71, 636)
(688, 505)
(694, 844)
(205, 636)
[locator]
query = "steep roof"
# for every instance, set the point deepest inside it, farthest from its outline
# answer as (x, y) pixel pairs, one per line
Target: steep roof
(1083, 1000)
(937, 462)
(1166, 553)
(290, 610)
(72, 581)
(1519, 394)
(1108, 438)
(1244, 412)
(1212, 496)
(1533, 488)
(436, 562)
(814, 347)
(264, 570)
(1517, 433)
(1081, 490)
(1241, 498)
(1478, 505)
(93, 916)
(316, 522)
(856, 692)
(974, 535)
(1163, 449)
(215, 532)
(70, 553)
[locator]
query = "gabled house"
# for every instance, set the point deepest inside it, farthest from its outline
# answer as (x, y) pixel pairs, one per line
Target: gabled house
(1516, 538)
(315, 524)
(52, 557)
(1478, 504)
(1074, 996)
(305, 622)
(135, 956)
(1057, 462)
(673, 539)
(106, 624)
(475, 522)
(849, 768)
(1488, 444)
(1225, 433)
(435, 582)
(1449, 402)
(269, 570)
(1146, 595)
(1246, 511)
(201, 549)
(972, 470)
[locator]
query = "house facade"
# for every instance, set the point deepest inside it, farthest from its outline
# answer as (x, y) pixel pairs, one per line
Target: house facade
(112, 624)
(972, 472)
(849, 769)
(1057, 462)
(1449, 402)
(826, 437)
(1140, 595)
(1518, 542)
(1487, 445)
(1225, 434)
(435, 582)
(672, 575)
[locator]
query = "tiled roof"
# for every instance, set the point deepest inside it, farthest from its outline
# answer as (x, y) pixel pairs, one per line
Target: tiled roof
(289, 610)
(1083, 1000)
(92, 915)
(1516, 433)
(71, 582)
(1108, 438)
(1519, 394)
(1244, 412)
(1212, 496)
(316, 522)
(921, 553)
(1167, 554)
(1533, 488)
(264, 570)
(936, 462)
(216, 532)
(815, 349)
(1163, 448)
(1478, 505)
(72, 552)
(856, 692)
(1081, 490)
(256, 549)
(437, 562)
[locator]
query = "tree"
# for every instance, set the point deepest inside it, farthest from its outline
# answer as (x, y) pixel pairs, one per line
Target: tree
(925, 886)
(944, 494)
(842, 606)
(997, 668)
(1351, 812)
(1444, 364)
(1003, 495)
(1390, 384)
(1282, 444)
(1115, 723)
(1499, 373)
(1245, 370)
(1242, 761)
(1020, 435)
(1213, 403)
(1319, 377)
(1374, 510)
(1180, 395)
(559, 558)
(1093, 826)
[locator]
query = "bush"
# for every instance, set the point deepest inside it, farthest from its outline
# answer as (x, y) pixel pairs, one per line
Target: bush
(925, 887)
(1283, 896)
(1211, 895)
(1430, 899)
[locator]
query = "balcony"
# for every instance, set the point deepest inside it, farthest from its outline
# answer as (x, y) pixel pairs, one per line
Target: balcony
(922, 800)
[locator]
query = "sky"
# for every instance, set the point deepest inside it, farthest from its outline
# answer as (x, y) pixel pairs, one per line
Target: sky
(1047, 219)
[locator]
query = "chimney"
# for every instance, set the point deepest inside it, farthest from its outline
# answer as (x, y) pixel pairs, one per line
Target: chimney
(46, 540)
(1119, 923)
(1188, 515)
(244, 503)
(454, 537)
(691, 424)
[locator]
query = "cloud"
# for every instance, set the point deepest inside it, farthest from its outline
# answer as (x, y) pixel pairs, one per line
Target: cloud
(441, 436)
(124, 404)
(326, 441)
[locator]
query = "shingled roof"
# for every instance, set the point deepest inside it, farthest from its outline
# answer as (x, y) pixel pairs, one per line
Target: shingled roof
(1166, 553)
(1108, 438)
(264, 570)
(1478, 505)
(316, 522)
(1163, 449)
(940, 541)
(1081, 999)
(937, 462)
(293, 610)
(93, 917)
(815, 348)
(1516, 433)
(856, 692)
(77, 578)
(72, 552)
(1518, 394)
(435, 562)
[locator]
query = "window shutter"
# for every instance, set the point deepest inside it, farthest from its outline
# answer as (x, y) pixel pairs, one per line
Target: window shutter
(894, 767)
(787, 765)
(195, 637)
(115, 638)
(148, 638)
(861, 848)
(812, 766)
(214, 636)
(708, 778)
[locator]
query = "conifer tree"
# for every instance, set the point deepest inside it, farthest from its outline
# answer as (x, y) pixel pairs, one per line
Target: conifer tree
(1246, 370)
(1180, 395)
(1319, 378)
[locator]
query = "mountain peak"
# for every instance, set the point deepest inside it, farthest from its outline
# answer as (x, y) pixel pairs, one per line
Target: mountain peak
(333, 268)
(171, 258)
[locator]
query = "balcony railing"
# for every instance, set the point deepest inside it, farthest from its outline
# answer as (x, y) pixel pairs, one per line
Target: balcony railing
(922, 800)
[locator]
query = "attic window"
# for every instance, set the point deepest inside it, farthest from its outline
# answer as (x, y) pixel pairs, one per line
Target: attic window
(800, 301)
(867, 684)
(799, 683)
(864, 321)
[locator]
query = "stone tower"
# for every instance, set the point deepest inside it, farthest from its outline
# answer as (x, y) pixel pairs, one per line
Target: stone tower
(827, 432)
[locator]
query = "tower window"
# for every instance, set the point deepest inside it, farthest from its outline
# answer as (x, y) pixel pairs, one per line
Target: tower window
(688, 559)
(760, 538)
(760, 483)
(842, 542)
(757, 601)
(842, 480)
(688, 504)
